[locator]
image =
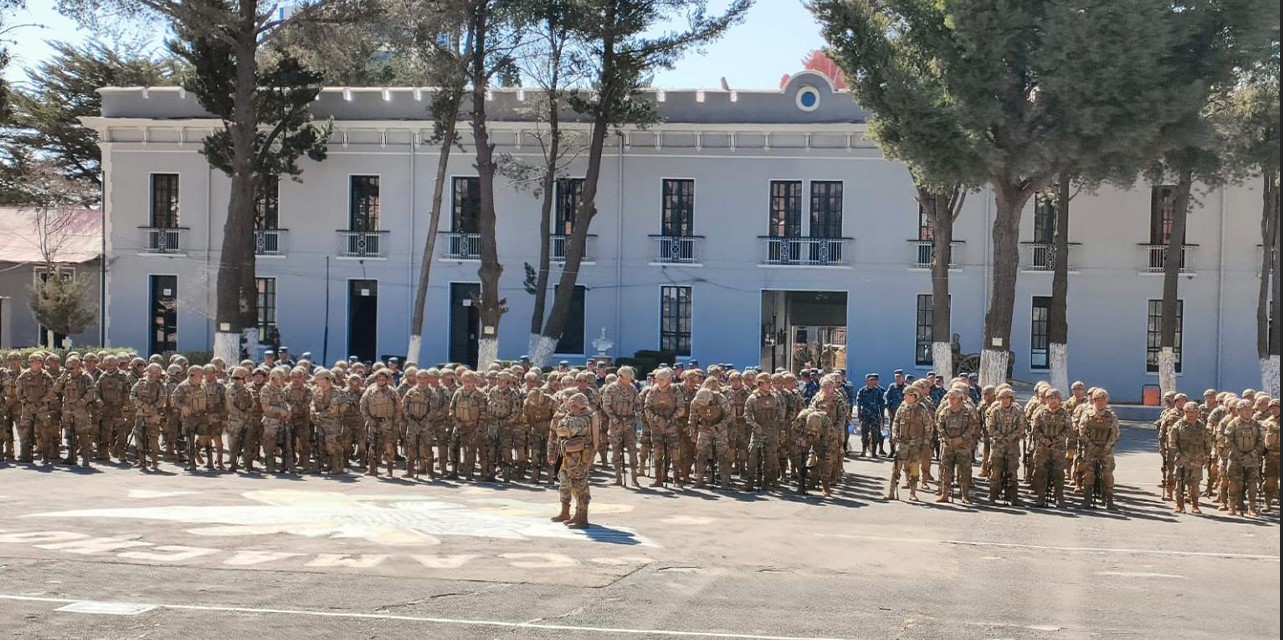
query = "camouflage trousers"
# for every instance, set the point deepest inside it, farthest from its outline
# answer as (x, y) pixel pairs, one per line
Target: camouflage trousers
(622, 436)
(666, 445)
(1048, 474)
(464, 447)
(1192, 472)
(1091, 461)
(301, 429)
(381, 435)
(417, 445)
(146, 437)
(908, 457)
(330, 450)
(521, 443)
(9, 415)
(494, 450)
(1244, 474)
(111, 432)
(573, 476)
(713, 445)
(441, 435)
(276, 438)
(1004, 471)
(738, 438)
(84, 431)
(955, 464)
(1270, 478)
(763, 461)
(240, 445)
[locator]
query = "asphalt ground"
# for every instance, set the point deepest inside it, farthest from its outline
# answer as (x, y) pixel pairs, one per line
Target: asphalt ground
(117, 553)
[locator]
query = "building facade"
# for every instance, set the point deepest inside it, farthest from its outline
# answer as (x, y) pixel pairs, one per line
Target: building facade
(36, 246)
(748, 228)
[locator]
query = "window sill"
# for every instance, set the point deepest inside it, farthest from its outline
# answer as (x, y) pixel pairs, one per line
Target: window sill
(355, 259)
(805, 266)
(274, 256)
(1071, 272)
(162, 255)
(459, 260)
(927, 269)
(1154, 374)
(677, 264)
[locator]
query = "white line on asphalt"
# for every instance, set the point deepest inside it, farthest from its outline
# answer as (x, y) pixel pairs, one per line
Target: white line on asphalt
(1136, 574)
(444, 621)
(1008, 545)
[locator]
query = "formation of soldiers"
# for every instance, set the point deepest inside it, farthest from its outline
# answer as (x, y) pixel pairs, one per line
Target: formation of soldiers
(723, 428)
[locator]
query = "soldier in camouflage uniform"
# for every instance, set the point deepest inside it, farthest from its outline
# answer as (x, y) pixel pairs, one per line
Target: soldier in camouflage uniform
(1270, 437)
(1169, 417)
(326, 415)
(298, 397)
(1191, 445)
(113, 395)
(959, 428)
(150, 401)
(539, 408)
(786, 385)
(663, 411)
(574, 447)
(690, 385)
(276, 415)
(619, 402)
(503, 404)
(812, 450)
(35, 392)
(911, 428)
(215, 419)
(381, 408)
(1006, 429)
(1243, 448)
(1078, 398)
(1215, 419)
(79, 398)
(764, 415)
(1099, 433)
(1049, 435)
(710, 416)
(192, 403)
(170, 432)
(832, 401)
(353, 423)
(417, 406)
(240, 403)
(10, 409)
(737, 393)
(467, 410)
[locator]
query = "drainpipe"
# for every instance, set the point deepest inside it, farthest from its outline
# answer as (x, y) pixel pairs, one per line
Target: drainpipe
(1220, 286)
(209, 245)
(409, 267)
(988, 246)
(102, 261)
(619, 250)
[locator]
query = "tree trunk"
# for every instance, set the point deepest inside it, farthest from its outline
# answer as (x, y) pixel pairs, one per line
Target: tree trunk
(434, 224)
(490, 306)
(1058, 319)
(236, 313)
(939, 209)
(577, 246)
(995, 355)
(1172, 263)
(541, 347)
(1268, 350)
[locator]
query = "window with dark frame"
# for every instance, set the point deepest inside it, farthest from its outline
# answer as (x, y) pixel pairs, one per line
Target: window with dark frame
(466, 205)
(1039, 342)
(675, 320)
(1044, 219)
(925, 232)
(1154, 334)
(570, 193)
(363, 210)
(266, 306)
(826, 209)
(267, 204)
(1162, 211)
(786, 209)
(164, 200)
(678, 215)
(572, 336)
(925, 334)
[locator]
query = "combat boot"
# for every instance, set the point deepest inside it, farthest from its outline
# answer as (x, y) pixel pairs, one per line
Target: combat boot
(1252, 502)
(619, 477)
(564, 516)
(892, 490)
(634, 478)
(1180, 504)
(1109, 500)
(580, 521)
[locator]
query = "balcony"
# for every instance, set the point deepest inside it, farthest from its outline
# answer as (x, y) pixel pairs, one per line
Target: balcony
(164, 240)
(1154, 256)
(1040, 257)
(806, 252)
(269, 243)
(921, 253)
(461, 246)
(559, 245)
(362, 245)
(677, 250)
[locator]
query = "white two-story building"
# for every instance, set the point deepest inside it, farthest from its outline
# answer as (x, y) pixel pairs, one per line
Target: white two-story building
(747, 223)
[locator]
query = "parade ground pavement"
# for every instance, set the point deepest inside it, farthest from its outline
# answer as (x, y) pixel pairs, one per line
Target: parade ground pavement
(117, 553)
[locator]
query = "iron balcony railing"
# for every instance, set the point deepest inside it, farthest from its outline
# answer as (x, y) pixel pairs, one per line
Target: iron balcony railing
(164, 240)
(559, 246)
(677, 249)
(1154, 258)
(819, 252)
(1041, 256)
(461, 246)
(921, 252)
(269, 242)
(362, 244)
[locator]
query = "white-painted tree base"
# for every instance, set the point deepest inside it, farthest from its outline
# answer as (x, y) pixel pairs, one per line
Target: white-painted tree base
(1167, 370)
(541, 351)
(487, 352)
(1059, 356)
(227, 345)
(993, 367)
(1270, 376)
(942, 359)
(412, 351)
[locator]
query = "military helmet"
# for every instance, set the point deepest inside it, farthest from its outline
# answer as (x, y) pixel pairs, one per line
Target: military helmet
(762, 377)
(239, 372)
(323, 373)
(1190, 406)
(154, 367)
(1007, 393)
(1051, 391)
(1099, 393)
(703, 396)
(1078, 384)
(382, 373)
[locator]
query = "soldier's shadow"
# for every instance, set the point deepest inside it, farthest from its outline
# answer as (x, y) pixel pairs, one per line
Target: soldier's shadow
(607, 535)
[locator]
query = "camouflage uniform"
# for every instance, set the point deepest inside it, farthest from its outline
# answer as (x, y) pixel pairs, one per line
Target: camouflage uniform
(113, 392)
(1006, 429)
(959, 431)
(1215, 419)
(539, 408)
(353, 438)
(739, 432)
(574, 445)
(10, 411)
(1244, 445)
(1191, 446)
(1099, 433)
(192, 403)
(503, 411)
(276, 415)
(441, 425)
(216, 422)
(838, 411)
(764, 415)
(325, 412)
(710, 418)
(79, 398)
(381, 408)
(619, 402)
(1050, 433)
(240, 403)
(35, 393)
(1270, 481)
(170, 431)
(813, 444)
(467, 409)
(299, 400)
(149, 399)
(417, 406)
(663, 412)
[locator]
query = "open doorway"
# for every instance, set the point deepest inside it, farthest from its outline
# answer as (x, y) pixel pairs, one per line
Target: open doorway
(803, 329)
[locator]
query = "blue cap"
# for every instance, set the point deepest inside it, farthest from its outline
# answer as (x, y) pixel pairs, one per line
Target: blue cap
(931, 373)
(284, 348)
(664, 365)
(269, 352)
(564, 363)
(307, 355)
(870, 376)
(353, 359)
(524, 358)
(972, 376)
(898, 372)
(393, 359)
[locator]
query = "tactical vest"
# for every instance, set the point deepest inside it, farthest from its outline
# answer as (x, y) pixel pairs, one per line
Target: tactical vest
(1005, 426)
(112, 389)
(1098, 428)
(467, 408)
(955, 424)
(1243, 436)
(417, 404)
(664, 402)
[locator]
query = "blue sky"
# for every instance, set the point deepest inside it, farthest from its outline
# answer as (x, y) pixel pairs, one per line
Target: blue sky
(754, 55)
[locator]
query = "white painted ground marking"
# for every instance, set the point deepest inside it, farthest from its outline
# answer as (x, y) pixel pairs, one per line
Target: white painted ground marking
(107, 608)
(1136, 574)
(1008, 545)
(432, 620)
(144, 494)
